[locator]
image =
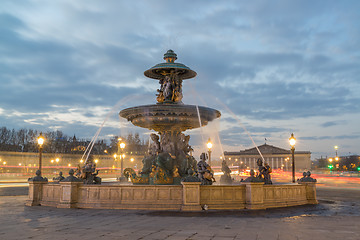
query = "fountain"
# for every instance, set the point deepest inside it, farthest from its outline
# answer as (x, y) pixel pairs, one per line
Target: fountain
(168, 159)
(167, 180)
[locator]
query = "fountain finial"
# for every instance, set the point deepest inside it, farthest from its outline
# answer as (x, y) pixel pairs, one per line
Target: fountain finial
(170, 56)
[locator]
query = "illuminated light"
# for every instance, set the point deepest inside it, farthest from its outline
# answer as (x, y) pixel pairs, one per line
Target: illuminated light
(330, 159)
(105, 151)
(123, 156)
(336, 158)
(131, 159)
(52, 160)
(19, 164)
(81, 161)
(330, 166)
(236, 159)
(122, 145)
(229, 158)
(336, 147)
(69, 165)
(209, 144)
(292, 140)
(221, 157)
(115, 155)
(30, 165)
(57, 160)
(113, 166)
(40, 140)
(96, 160)
(358, 168)
(4, 163)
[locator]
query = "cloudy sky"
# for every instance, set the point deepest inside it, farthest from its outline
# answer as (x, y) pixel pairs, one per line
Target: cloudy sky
(272, 67)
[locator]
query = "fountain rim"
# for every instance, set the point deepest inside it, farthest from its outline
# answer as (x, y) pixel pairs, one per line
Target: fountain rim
(173, 106)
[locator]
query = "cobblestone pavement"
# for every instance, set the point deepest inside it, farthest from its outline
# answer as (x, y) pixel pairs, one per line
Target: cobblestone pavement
(336, 217)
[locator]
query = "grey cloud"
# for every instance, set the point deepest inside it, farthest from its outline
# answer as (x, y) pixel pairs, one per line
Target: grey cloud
(332, 123)
(317, 138)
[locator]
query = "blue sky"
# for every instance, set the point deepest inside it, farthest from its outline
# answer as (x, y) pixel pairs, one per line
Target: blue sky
(275, 66)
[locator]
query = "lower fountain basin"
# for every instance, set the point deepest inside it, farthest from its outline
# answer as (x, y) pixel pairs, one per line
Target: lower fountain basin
(169, 117)
(190, 196)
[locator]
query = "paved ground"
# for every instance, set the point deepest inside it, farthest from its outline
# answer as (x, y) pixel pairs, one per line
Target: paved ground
(336, 217)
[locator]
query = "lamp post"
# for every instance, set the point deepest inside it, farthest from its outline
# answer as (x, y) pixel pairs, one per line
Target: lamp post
(336, 153)
(292, 141)
(209, 146)
(122, 156)
(40, 141)
(336, 148)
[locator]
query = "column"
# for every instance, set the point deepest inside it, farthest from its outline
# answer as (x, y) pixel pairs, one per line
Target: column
(69, 194)
(254, 195)
(191, 196)
(35, 193)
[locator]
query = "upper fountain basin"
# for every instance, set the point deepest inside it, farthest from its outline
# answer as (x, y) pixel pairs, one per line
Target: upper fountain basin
(160, 70)
(169, 117)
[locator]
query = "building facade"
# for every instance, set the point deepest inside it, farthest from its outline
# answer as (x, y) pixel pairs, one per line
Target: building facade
(277, 158)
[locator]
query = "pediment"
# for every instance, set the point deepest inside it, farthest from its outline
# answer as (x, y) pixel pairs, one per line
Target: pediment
(266, 149)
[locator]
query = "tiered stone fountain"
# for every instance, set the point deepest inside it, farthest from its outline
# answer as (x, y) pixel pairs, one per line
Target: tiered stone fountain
(169, 157)
(167, 161)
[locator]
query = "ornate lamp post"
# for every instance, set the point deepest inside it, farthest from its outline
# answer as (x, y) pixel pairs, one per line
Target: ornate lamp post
(292, 141)
(336, 153)
(40, 142)
(209, 146)
(122, 156)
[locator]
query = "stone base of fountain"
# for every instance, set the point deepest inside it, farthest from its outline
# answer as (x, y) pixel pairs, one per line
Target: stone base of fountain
(189, 196)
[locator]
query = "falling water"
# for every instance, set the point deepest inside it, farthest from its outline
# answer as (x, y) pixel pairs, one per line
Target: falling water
(234, 115)
(202, 133)
(242, 125)
(115, 107)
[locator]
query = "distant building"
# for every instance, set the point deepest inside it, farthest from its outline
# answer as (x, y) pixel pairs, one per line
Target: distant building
(277, 158)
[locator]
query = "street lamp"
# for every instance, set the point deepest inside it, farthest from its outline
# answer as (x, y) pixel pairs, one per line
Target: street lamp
(292, 141)
(40, 141)
(336, 153)
(209, 146)
(122, 145)
(336, 148)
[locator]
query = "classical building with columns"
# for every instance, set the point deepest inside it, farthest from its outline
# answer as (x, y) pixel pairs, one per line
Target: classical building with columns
(277, 158)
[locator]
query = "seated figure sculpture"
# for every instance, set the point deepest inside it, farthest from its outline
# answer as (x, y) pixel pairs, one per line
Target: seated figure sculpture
(264, 172)
(153, 151)
(205, 174)
(252, 177)
(89, 172)
(59, 178)
(306, 178)
(226, 177)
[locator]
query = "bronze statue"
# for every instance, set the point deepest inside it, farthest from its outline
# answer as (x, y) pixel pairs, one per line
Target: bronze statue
(59, 178)
(252, 177)
(264, 172)
(205, 173)
(306, 178)
(226, 177)
(153, 151)
(38, 177)
(89, 173)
